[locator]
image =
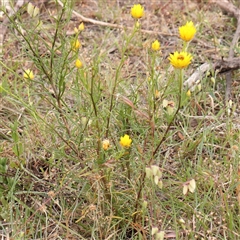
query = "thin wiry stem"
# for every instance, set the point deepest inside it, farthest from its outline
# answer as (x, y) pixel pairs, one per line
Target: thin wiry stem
(142, 180)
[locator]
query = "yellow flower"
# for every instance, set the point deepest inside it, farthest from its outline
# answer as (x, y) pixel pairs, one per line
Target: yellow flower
(156, 45)
(105, 144)
(137, 11)
(188, 93)
(180, 59)
(78, 63)
(125, 141)
(75, 30)
(81, 27)
(76, 45)
(28, 74)
(157, 94)
(187, 31)
(213, 80)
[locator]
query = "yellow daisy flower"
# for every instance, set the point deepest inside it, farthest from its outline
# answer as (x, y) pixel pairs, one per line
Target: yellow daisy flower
(28, 74)
(137, 11)
(156, 45)
(180, 59)
(125, 141)
(187, 31)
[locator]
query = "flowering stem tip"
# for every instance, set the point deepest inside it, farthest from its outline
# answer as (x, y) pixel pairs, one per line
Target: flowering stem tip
(180, 59)
(187, 31)
(137, 11)
(156, 45)
(125, 141)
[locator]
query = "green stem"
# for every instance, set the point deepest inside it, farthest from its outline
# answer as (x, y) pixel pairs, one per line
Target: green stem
(123, 58)
(54, 41)
(174, 116)
(95, 112)
(142, 181)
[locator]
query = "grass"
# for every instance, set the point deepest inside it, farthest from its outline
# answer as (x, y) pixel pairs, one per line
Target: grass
(57, 181)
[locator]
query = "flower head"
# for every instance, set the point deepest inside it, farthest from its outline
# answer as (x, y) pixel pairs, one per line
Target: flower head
(78, 63)
(125, 141)
(76, 45)
(80, 28)
(157, 94)
(188, 93)
(105, 144)
(187, 31)
(32, 10)
(156, 45)
(137, 11)
(180, 59)
(28, 74)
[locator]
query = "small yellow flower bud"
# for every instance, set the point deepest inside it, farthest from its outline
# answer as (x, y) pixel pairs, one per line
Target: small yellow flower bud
(105, 144)
(137, 24)
(28, 74)
(157, 94)
(199, 86)
(156, 45)
(188, 93)
(75, 30)
(76, 45)
(125, 141)
(213, 80)
(81, 27)
(181, 221)
(78, 63)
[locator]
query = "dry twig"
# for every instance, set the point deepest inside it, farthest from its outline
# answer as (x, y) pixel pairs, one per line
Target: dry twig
(112, 25)
(233, 10)
(222, 66)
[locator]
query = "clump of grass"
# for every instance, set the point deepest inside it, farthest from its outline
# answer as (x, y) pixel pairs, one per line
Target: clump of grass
(94, 154)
